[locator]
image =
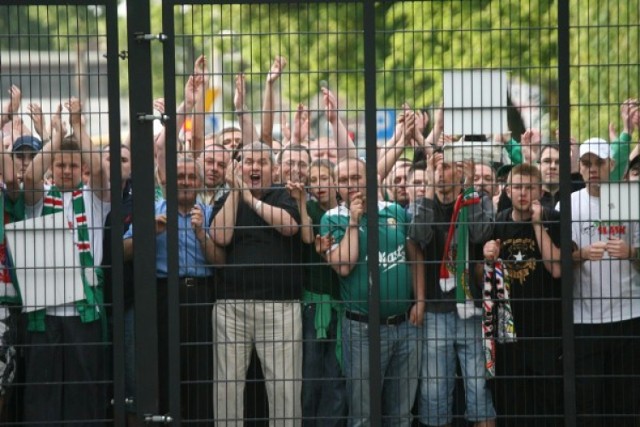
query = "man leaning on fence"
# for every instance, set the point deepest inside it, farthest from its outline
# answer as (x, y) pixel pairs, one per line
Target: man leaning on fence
(606, 308)
(64, 354)
(258, 297)
(401, 298)
(450, 222)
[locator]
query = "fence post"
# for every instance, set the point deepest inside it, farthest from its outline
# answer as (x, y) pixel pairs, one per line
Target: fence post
(564, 124)
(140, 101)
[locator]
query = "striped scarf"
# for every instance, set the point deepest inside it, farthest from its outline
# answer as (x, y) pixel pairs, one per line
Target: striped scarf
(460, 266)
(497, 324)
(91, 306)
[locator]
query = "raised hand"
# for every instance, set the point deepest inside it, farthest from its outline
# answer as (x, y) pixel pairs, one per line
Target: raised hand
(330, 105)
(279, 64)
(239, 95)
(35, 112)
(158, 105)
(296, 190)
(629, 115)
(301, 123)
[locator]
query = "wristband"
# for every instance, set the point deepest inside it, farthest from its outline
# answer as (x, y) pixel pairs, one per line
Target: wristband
(257, 206)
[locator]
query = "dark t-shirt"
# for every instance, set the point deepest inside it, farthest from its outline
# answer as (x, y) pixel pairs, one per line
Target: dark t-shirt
(437, 300)
(127, 218)
(322, 279)
(535, 294)
(261, 263)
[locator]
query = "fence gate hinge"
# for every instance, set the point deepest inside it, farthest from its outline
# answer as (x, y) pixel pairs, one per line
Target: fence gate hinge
(123, 54)
(162, 419)
(149, 37)
(144, 117)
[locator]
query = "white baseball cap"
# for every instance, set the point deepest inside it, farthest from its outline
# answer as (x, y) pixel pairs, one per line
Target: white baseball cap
(597, 146)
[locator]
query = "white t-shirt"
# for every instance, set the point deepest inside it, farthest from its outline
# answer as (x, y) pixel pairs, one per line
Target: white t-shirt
(96, 212)
(608, 290)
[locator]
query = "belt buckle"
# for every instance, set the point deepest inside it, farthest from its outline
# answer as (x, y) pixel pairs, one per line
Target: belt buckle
(189, 281)
(394, 320)
(389, 321)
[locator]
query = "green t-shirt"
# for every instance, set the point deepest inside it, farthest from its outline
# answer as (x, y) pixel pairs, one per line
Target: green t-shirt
(395, 273)
(322, 279)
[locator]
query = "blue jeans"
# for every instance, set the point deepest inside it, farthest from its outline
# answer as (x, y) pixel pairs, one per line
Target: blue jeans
(448, 337)
(323, 386)
(399, 363)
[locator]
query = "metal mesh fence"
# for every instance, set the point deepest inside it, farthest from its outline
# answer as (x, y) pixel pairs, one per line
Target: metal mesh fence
(364, 213)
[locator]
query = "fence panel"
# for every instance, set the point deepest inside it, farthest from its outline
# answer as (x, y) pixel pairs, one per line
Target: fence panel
(364, 213)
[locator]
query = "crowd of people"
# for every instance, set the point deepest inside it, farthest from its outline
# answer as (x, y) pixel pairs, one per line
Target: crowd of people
(273, 240)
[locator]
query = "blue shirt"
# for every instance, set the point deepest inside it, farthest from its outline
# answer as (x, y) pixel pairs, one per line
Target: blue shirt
(191, 258)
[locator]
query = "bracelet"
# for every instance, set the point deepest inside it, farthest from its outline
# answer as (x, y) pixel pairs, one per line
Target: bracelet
(257, 206)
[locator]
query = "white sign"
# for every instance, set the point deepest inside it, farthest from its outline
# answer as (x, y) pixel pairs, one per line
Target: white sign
(475, 102)
(46, 261)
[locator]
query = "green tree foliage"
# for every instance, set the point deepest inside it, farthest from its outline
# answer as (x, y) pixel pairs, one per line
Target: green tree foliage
(415, 41)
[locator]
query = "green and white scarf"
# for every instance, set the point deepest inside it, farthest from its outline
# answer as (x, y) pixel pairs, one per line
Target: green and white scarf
(459, 226)
(90, 307)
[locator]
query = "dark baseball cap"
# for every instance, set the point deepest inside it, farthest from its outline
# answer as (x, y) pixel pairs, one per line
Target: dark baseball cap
(27, 142)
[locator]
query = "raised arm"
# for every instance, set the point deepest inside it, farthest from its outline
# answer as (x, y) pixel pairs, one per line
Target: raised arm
(266, 128)
(297, 192)
(551, 255)
(390, 154)
(621, 146)
(301, 123)
(201, 82)
(249, 133)
(346, 146)
(39, 123)
(12, 106)
(213, 253)
(224, 221)
(343, 257)
(275, 216)
(90, 156)
(33, 190)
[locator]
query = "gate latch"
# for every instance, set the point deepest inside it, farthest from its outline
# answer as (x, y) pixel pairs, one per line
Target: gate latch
(144, 117)
(149, 37)
(161, 419)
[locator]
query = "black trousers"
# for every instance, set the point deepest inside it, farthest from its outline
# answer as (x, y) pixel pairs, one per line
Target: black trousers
(65, 373)
(608, 373)
(196, 345)
(528, 384)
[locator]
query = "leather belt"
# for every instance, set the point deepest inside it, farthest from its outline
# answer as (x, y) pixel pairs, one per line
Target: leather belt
(389, 321)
